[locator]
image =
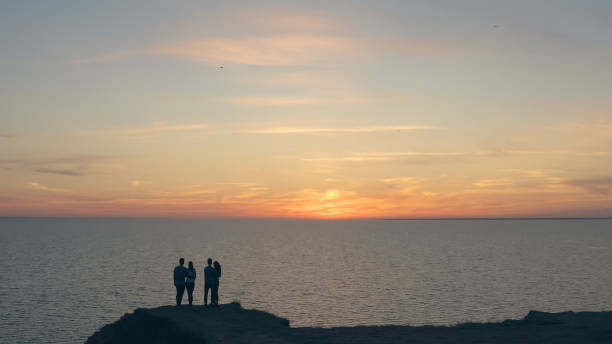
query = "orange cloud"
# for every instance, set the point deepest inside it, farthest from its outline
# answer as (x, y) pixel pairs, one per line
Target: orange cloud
(391, 197)
(485, 183)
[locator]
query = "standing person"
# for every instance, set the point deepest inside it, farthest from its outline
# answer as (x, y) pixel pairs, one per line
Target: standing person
(210, 280)
(190, 282)
(215, 289)
(180, 273)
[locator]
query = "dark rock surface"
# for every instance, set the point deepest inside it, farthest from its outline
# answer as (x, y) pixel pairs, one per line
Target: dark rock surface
(231, 323)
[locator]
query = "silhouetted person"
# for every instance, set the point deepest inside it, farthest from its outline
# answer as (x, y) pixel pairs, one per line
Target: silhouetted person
(214, 297)
(190, 282)
(180, 273)
(210, 280)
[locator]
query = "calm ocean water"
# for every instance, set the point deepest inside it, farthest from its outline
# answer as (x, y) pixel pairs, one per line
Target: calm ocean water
(62, 279)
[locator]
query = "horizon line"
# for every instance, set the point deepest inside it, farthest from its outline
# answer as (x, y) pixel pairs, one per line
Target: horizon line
(487, 218)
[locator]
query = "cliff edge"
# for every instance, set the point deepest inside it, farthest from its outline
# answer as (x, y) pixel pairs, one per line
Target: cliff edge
(230, 323)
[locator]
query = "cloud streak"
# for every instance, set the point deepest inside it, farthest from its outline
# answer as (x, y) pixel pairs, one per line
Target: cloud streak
(280, 50)
(160, 128)
(74, 173)
(594, 185)
(72, 166)
(157, 128)
(111, 56)
(449, 156)
(497, 182)
(569, 153)
(288, 101)
(395, 156)
(295, 49)
(317, 130)
(7, 135)
(41, 187)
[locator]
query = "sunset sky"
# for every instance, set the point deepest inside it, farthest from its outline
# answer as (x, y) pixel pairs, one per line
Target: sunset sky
(323, 109)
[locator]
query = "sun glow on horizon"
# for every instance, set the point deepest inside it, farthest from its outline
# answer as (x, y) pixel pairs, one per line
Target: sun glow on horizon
(386, 110)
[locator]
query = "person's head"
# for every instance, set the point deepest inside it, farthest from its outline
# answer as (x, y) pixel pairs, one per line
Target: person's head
(209, 261)
(182, 261)
(191, 265)
(217, 268)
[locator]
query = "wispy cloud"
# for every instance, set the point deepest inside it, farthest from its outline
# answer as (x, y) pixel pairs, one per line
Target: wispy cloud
(74, 166)
(111, 56)
(531, 182)
(262, 129)
(497, 182)
(75, 173)
(309, 80)
(593, 127)
(194, 192)
(9, 164)
(560, 152)
(594, 185)
(41, 187)
(252, 192)
(4, 135)
(391, 156)
(179, 196)
(281, 50)
(402, 180)
(288, 101)
(157, 128)
(447, 156)
(537, 173)
(272, 19)
(315, 130)
(278, 101)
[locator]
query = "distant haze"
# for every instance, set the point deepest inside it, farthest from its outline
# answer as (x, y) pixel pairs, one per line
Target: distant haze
(318, 109)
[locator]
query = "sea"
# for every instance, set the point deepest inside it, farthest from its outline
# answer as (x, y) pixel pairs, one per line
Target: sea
(62, 279)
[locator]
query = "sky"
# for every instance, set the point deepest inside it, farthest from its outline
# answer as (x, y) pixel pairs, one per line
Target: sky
(295, 109)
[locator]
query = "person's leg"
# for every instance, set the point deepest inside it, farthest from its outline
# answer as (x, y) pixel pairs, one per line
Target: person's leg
(190, 287)
(206, 287)
(180, 289)
(215, 294)
(181, 294)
